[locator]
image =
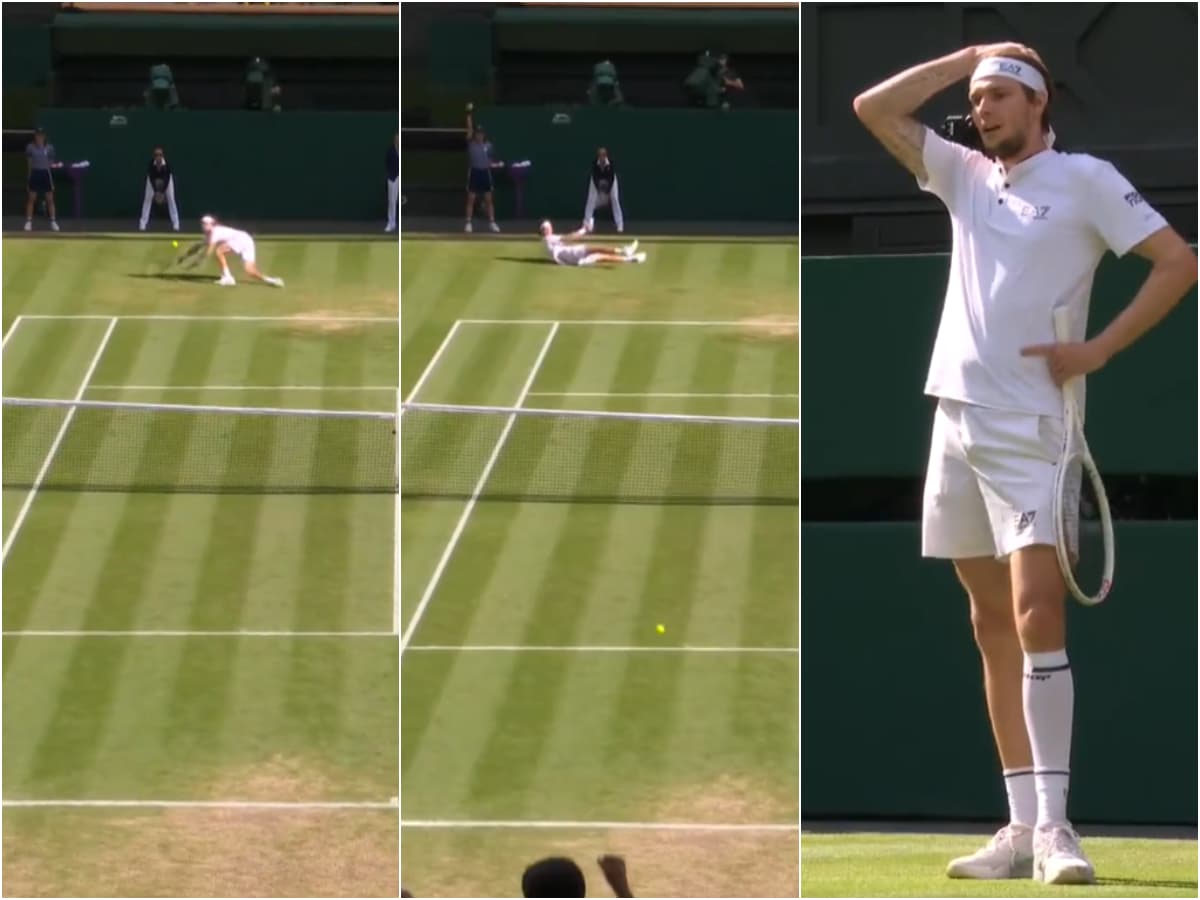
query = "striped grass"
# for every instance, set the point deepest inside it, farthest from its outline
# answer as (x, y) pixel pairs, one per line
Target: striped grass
(209, 708)
(913, 865)
(673, 737)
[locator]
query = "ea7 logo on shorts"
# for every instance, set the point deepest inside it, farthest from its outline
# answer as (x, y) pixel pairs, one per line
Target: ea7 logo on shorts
(1133, 198)
(1009, 68)
(1037, 213)
(1025, 520)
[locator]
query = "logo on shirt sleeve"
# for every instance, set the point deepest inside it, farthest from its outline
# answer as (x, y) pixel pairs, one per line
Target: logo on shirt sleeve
(1133, 198)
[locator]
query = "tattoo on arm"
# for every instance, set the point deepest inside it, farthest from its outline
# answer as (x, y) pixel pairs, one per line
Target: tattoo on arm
(904, 138)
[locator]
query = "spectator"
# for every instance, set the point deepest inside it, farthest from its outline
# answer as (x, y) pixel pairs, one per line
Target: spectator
(602, 191)
(557, 876)
(554, 876)
(727, 79)
(41, 158)
(605, 89)
(160, 188)
(711, 81)
(393, 183)
(479, 175)
(262, 88)
(702, 85)
(162, 93)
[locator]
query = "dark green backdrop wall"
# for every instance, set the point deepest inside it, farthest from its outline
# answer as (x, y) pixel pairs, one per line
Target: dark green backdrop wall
(290, 165)
(892, 716)
(893, 721)
(867, 329)
(673, 164)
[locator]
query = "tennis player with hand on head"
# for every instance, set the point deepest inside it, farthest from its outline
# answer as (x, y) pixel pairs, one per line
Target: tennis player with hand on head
(1030, 226)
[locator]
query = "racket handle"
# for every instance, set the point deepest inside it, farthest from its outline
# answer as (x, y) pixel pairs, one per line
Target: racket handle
(1062, 324)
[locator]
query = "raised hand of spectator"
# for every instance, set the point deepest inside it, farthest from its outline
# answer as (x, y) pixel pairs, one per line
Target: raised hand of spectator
(615, 874)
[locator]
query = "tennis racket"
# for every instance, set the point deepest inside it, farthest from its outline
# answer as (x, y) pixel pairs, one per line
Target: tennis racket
(188, 258)
(1082, 521)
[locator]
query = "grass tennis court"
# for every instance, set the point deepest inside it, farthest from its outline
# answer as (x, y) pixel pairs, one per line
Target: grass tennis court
(200, 687)
(542, 713)
(912, 865)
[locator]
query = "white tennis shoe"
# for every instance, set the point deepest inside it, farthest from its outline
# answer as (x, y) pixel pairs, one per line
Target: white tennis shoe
(1009, 854)
(1058, 858)
(638, 257)
(226, 281)
(630, 249)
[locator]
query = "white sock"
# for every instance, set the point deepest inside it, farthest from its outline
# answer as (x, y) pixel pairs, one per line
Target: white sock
(1049, 700)
(1022, 797)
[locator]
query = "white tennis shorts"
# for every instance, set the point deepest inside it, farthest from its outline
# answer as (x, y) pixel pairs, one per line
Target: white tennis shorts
(989, 488)
(243, 248)
(572, 255)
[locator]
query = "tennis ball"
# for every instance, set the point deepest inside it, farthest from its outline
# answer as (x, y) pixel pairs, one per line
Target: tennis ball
(661, 629)
(175, 244)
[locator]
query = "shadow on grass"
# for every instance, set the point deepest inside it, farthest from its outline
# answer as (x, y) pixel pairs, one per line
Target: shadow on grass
(528, 260)
(1149, 883)
(173, 276)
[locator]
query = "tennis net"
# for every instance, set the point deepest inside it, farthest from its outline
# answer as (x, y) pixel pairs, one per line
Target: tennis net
(501, 453)
(153, 447)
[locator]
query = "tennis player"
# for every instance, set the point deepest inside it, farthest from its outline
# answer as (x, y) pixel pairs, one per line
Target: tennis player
(223, 240)
(566, 253)
(1029, 227)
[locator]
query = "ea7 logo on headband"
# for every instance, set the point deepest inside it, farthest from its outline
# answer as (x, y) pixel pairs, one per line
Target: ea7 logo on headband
(1133, 198)
(1010, 68)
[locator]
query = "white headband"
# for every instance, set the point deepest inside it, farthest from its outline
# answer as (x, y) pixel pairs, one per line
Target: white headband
(1004, 67)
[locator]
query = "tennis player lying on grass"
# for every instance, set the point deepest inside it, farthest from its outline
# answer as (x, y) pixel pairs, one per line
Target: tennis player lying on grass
(567, 254)
(221, 240)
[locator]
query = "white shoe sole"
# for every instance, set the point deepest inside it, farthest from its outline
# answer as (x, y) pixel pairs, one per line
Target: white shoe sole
(988, 874)
(1069, 874)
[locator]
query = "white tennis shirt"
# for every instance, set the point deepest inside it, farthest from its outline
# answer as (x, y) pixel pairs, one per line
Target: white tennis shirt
(239, 241)
(1026, 241)
(563, 253)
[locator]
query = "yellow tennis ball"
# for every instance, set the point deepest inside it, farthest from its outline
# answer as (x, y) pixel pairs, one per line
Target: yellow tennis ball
(175, 244)
(661, 629)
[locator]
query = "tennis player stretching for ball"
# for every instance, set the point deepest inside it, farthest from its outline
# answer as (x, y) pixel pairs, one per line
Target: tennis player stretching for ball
(222, 240)
(1029, 226)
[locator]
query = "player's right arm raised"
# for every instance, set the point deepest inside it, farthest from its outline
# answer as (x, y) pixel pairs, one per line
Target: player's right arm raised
(887, 109)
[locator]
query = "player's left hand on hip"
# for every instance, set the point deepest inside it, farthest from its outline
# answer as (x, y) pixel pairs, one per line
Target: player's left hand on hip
(1069, 360)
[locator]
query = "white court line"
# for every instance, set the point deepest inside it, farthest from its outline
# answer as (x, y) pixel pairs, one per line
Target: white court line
(161, 633)
(689, 323)
(62, 431)
(483, 477)
(200, 804)
(299, 317)
(242, 387)
(434, 360)
(9, 333)
(666, 394)
(598, 826)
(424, 376)
(595, 648)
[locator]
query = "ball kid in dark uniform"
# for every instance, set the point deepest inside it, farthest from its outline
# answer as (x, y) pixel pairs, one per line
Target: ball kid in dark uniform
(160, 187)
